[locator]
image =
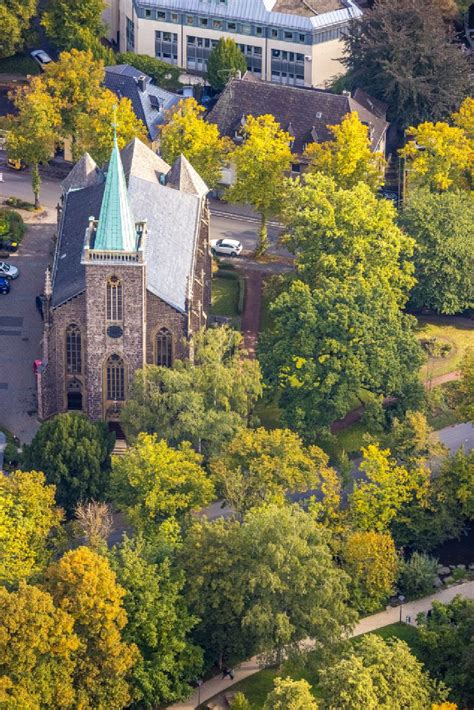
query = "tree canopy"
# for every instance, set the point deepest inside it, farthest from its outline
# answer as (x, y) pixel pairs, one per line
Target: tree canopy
(27, 517)
(261, 162)
(74, 454)
(224, 61)
(70, 24)
(348, 157)
(401, 52)
(15, 18)
(288, 694)
(185, 132)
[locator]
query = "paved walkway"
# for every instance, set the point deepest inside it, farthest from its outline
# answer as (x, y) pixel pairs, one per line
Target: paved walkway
(251, 316)
(3, 443)
(216, 685)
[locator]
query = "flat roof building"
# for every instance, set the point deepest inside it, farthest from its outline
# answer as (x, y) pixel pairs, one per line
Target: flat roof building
(293, 42)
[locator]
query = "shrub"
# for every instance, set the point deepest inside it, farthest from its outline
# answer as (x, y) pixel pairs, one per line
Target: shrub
(20, 204)
(417, 575)
(434, 347)
(165, 75)
(11, 225)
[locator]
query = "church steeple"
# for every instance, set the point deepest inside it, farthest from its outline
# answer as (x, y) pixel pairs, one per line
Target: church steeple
(116, 229)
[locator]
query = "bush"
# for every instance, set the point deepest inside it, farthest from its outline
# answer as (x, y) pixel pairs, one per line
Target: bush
(20, 204)
(417, 575)
(11, 225)
(434, 347)
(163, 74)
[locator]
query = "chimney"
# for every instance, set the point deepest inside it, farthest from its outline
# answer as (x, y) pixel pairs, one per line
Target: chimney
(142, 81)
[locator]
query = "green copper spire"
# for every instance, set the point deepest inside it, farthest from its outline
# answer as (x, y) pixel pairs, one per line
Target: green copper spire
(116, 227)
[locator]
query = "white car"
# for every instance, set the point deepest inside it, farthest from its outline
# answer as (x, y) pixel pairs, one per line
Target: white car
(226, 247)
(41, 57)
(8, 271)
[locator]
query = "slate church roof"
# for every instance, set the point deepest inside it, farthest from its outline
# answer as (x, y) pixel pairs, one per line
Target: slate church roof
(304, 113)
(172, 212)
(148, 100)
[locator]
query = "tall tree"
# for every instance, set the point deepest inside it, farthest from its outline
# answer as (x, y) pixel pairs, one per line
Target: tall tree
(379, 675)
(64, 20)
(264, 585)
(465, 388)
(348, 157)
(224, 62)
(464, 118)
(442, 225)
(401, 51)
(185, 132)
(38, 647)
(83, 585)
(95, 129)
(417, 575)
(339, 327)
(289, 694)
(372, 563)
(15, 18)
(261, 162)
(204, 401)
(74, 454)
(153, 482)
(27, 518)
(159, 623)
(34, 132)
(259, 465)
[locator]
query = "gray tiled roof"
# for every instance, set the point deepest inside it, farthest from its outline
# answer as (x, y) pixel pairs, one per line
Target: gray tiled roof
(184, 177)
(84, 173)
(122, 80)
(309, 112)
(258, 11)
(139, 160)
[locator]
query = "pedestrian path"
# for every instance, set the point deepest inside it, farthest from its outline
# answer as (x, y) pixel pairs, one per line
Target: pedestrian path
(391, 615)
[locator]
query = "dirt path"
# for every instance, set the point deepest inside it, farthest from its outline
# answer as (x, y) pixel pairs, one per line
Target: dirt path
(252, 309)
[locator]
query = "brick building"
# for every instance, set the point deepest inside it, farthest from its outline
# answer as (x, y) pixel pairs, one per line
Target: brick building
(130, 281)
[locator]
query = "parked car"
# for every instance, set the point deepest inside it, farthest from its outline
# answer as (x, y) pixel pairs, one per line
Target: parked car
(41, 57)
(226, 247)
(4, 286)
(8, 245)
(15, 164)
(8, 271)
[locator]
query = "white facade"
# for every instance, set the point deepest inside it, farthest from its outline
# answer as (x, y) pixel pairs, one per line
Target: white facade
(283, 48)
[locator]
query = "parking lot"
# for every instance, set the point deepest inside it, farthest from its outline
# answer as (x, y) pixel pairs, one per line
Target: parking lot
(21, 331)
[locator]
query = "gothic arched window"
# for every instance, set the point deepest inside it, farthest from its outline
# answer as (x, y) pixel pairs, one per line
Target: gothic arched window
(114, 300)
(73, 350)
(164, 348)
(115, 379)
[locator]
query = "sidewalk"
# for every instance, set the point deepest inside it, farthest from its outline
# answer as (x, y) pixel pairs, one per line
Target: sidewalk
(371, 623)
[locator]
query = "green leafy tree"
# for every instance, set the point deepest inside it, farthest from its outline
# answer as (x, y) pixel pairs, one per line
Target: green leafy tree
(28, 516)
(185, 132)
(264, 585)
(260, 465)
(261, 162)
(83, 585)
(164, 74)
(204, 401)
(15, 18)
(446, 646)
(153, 482)
(412, 439)
(34, 132)
(339, 328)
(239, 702)
(289, 694)
(74, 454)
(225, 60)
(402, 53)
(38, 649)
(417, 575)
(465, 387)
(379, 675)
(456, 481)
(348, 157)
(387, 486)
(158, 623)
(371, 561)
(67, 21)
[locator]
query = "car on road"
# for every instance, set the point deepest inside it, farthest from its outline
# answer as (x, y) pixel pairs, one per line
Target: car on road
(389, 195)
(8, 271)
(225, 247)
(41, 57)
(4, 286)
(8, 245)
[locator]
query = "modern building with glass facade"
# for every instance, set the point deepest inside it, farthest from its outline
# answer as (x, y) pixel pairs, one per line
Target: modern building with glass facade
(296, 42)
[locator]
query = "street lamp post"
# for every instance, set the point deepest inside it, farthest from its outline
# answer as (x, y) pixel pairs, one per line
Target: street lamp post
(199, 683)
(401, 599)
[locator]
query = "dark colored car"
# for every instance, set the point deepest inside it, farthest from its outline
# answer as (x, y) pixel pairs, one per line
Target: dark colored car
(4, 286)
(8, 245)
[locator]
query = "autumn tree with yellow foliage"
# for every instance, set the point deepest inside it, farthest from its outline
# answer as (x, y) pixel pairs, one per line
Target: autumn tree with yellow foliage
(261, 163)
(348, 157)
(185, 132)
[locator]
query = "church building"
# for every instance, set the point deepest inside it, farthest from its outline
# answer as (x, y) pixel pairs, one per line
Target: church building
(130, 282)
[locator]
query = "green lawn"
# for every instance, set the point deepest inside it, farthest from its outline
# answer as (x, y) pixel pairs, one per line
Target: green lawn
(225, 296)
(458, 332)
(257, 687)
(19, 64)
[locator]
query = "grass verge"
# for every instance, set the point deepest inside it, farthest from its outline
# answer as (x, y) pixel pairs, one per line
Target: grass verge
(19, 64)
(452, 330)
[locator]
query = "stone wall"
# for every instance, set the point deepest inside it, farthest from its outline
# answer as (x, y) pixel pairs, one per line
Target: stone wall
(160, 315)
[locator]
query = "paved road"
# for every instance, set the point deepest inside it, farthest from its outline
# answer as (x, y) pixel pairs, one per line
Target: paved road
(216, 685)
(457, 437)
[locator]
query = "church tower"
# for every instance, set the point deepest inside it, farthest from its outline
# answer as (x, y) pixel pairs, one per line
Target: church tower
(115, 296)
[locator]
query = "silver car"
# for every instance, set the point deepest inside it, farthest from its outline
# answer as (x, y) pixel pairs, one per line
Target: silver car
(226, 247)
(41, 57)
(8, 271)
